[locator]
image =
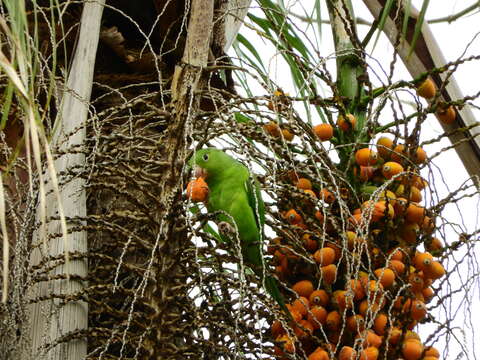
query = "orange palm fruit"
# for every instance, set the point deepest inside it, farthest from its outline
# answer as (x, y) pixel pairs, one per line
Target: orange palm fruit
(336, 248)
(400, 206)
(347, 353)
(426, 89)
(396, 254)
(378, 210)
(324, 256)
(309, 243)
(334, 320)
(385, 276)
(370, 353)
(366, 157)
(304, 184)
(319, 354)
(435, 271)
(384, 147)
(272, 129)
(412, 349)
(348, 123)
(319, 216)
(342, 299)
(287, 135)
(394, 335)
(427, 225)
(326, 196)
(420, 156)
(415, 213)
(409, 334)
(428, 294)
(435, 244)
(293, 217)
(355, 323)
(446, 114)
(317, 316)
(373, 289)
(415, 194)
(197, 190)
(303, 288)
(295, 314)
(415, 308)
(416, 282)
(368, 305)
(431, 351)
(357, 288)
(422, 260)
(398, 153)
(397, 266)
(277, 329)
(380, 324)
(301, 305)
(391, 168)
(329, 273)
(323, 131)
(364, 173)
(303, 329)
(409, 233)
(319, 297)
(286, 344)
(370, 338)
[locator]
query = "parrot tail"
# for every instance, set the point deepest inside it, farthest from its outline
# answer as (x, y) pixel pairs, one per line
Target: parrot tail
(271, 285)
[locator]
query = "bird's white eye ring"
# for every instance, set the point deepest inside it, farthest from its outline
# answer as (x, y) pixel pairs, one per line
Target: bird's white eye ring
(205, 157)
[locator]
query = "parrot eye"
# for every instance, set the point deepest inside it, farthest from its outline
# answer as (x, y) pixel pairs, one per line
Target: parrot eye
(205, 157)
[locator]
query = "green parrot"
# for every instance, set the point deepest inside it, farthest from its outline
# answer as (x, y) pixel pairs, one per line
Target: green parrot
(231, 190)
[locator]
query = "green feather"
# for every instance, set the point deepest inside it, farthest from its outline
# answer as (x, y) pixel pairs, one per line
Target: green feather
(233, 190)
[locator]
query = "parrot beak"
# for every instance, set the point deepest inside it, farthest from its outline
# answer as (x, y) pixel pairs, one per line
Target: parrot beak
(200, 172)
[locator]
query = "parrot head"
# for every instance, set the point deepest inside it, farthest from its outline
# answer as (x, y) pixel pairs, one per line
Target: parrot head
(209, 162)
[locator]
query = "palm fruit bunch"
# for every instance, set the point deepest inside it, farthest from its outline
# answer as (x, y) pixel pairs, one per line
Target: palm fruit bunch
(360, 262)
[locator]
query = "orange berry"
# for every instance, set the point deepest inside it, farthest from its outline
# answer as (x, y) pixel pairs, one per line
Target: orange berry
(370, 353)
(295, 314)
(317, 316)
(287, 135)
(435, 244)
(435, 271)
(364, 173)
(357, 288)
(397, 266)
(398, 154)
(309, 243)
(428, 294)
(368, 305)
(356, 323)
(415, 194)
(307, 330)
(324, 256)
(416, 282)
(323, 131)
(391, 168)
(415, 308)
(431, 351)
(277, 329)
(293, 217)
(348, 123)
(415, 213)
(303, 288)
(373, 288)
(319, 297)
(319, 216)
(394, 335)
(427, 89)
(400, 206)
(333, 321)
(342, 299)
(286, 343)
(329, 273)
(412, 349)
(319, 354)
(379, 211)
(446, 115)
(409, 233)
(370, 339)
(347, 353)
(326, 196)
(421, 261)
(420, 156)
(301, 305)
(304, 184)
(272, 129)
(384, 146)
(197, 190)
(385, 276)
(396, 254)
(366, 157)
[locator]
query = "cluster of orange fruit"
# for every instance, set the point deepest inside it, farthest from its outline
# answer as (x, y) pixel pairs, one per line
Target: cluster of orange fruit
(365, 287)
